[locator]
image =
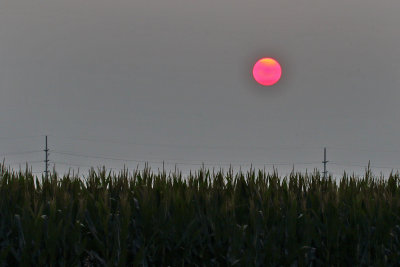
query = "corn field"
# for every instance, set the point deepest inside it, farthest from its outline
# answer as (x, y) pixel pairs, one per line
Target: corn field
(208, 218)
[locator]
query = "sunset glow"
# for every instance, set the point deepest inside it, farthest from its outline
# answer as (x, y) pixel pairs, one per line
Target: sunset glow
(267, 71)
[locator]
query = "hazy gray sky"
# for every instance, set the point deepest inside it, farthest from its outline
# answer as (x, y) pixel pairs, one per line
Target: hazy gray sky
(171, 80)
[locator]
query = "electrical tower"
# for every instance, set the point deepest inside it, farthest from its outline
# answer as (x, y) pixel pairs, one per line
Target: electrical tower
(324, 162)
(46, 161)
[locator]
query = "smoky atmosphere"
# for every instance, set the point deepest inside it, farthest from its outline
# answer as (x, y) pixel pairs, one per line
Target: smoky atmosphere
(199, 133)
(174, 83)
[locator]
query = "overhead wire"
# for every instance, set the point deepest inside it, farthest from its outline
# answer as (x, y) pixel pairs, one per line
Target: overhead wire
(25, 162)
(363, 165)
(193, 162)
(180, 163)
(70, 164)
(220, 147)
(364, 149)
(20, 153)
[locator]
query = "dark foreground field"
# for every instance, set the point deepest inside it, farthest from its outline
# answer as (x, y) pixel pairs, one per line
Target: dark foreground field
(206, 219)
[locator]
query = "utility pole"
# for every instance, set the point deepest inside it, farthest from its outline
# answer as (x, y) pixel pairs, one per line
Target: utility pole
(324, 162)
(46, 150)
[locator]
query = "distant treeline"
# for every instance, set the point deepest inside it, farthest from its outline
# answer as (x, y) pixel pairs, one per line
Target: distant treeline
(205, 219)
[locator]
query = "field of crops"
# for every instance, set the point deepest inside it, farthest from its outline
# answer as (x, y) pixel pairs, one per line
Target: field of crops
(205, 219)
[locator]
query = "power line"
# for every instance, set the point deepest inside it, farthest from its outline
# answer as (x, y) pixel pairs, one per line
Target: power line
(185, 162)
(70, 164)
(182, 161)
(349, 164)
(101, 157)
(124, 142)
(24, 162)
(20, 153)
(179, 163)
(362, 165)
(186, 145)
(364, 149)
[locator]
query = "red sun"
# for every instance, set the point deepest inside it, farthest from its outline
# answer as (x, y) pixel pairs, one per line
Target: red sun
(267, 71)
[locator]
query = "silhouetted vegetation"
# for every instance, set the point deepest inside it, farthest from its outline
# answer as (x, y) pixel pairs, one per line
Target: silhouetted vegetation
(205, 219)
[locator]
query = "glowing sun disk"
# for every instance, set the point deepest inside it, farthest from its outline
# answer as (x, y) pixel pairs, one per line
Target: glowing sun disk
(267, 71)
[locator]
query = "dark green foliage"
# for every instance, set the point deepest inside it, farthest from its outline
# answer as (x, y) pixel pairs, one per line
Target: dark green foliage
(205, 219)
